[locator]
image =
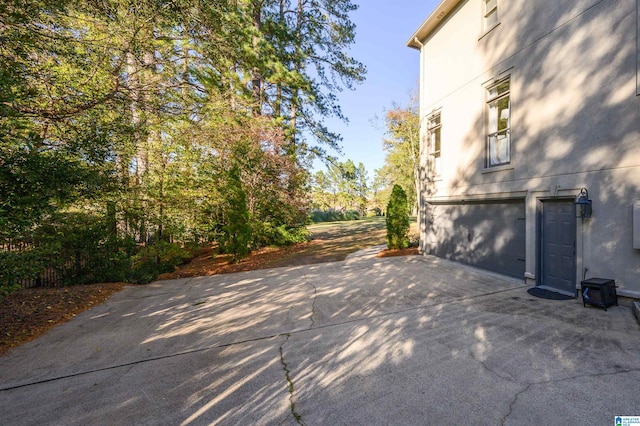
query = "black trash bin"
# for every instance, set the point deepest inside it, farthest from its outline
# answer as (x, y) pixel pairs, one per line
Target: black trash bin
(599, 292)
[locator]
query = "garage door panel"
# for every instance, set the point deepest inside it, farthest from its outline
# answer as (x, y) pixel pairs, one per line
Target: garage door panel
(489, 235)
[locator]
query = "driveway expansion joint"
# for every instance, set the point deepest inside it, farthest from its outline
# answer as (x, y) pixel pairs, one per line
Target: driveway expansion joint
(256, 339)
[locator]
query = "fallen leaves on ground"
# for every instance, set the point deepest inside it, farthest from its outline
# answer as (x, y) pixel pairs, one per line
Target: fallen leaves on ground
(399, 252)
(29, 313)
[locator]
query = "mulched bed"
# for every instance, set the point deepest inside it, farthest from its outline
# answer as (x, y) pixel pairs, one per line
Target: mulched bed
(411, 251)
(207, 262)
(28, 313)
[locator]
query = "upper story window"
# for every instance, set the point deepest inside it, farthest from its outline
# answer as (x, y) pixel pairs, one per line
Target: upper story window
(498, 149)
(434, 126)
(490, 14)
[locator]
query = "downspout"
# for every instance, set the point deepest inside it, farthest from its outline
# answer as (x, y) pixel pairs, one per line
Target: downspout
(422, 217)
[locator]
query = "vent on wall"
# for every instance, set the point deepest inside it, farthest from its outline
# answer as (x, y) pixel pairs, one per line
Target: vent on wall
(636, 225)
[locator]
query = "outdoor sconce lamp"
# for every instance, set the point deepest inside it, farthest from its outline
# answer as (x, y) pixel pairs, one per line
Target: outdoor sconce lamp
(583, 204)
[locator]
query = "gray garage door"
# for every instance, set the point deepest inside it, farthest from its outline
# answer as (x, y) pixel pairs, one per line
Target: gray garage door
(489, 235)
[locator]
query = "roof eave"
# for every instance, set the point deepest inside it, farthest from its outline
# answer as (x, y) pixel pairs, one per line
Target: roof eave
(437, 16)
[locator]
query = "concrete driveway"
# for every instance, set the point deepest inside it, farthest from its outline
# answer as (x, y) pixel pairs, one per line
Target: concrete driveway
(396, 341)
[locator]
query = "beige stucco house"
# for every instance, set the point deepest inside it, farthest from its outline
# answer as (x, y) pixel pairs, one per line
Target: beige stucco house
(523, 106)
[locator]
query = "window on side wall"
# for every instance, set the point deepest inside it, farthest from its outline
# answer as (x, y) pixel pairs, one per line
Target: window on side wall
(434, 126)
(490, 14)
(498, 148)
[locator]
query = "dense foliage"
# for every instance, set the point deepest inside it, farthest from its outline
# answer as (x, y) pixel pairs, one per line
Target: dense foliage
(154, 123)
(317, 216)
(402, 162)
(397, 219)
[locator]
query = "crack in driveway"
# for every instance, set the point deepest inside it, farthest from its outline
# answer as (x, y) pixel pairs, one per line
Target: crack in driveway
(313, 304)
(508, 379)
(290, 387)
(513, 403)
(529, 385)
(566, 379)
(491, 370)
(254, 339)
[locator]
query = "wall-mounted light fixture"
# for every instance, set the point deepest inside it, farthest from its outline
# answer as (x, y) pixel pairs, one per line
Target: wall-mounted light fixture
(583, 204)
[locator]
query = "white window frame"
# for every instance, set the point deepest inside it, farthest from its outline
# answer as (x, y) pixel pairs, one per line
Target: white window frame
(434, 140)
(490, 17)
(498, 123)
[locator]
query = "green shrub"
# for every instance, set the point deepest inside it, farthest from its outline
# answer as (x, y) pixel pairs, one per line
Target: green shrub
(375, 212)
(112, 260)
(17, 266)
(294, 235)
(285, 236)
(236, 232)
(145, 271)
(78, 248)
(6, 290)
(20, 265)
(155, 259)
(397, 219)
(317, 216)
(81, 249)
(267, 234)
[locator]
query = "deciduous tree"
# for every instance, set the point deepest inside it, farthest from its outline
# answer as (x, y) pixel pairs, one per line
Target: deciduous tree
(402, 144)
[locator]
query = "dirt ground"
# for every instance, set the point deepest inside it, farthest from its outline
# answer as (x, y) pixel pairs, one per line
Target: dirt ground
(28, 313)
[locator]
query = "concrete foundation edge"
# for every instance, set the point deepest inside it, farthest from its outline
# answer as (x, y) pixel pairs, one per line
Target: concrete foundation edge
(635, 306)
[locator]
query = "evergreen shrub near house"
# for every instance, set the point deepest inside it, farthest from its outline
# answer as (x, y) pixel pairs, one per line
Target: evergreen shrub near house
(397, 219)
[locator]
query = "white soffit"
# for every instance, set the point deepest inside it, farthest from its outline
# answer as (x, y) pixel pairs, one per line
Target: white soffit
(439, 13)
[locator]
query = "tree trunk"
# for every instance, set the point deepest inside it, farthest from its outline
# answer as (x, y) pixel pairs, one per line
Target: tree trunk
(256, 78)
(297, 66)
(277, 108)
(185, 63)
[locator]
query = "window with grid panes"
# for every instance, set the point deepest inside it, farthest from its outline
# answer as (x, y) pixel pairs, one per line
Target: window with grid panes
(498, 149)
(434, 126)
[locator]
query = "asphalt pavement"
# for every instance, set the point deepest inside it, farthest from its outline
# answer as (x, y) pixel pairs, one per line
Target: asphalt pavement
(395, 341)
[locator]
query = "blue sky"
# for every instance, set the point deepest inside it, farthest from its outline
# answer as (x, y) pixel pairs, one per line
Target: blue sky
(382, 29)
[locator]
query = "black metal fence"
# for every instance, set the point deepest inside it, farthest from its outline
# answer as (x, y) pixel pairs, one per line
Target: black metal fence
(22, 265)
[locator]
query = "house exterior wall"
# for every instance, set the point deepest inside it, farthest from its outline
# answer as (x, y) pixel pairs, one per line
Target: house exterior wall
(575, 122)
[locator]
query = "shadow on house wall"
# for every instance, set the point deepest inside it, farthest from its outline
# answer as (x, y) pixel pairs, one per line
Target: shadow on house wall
(575, 121)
